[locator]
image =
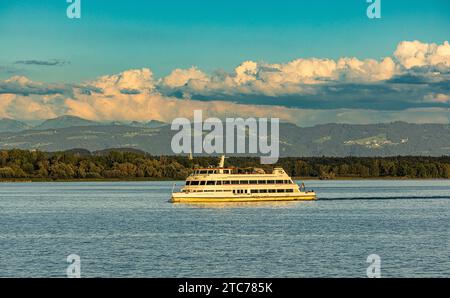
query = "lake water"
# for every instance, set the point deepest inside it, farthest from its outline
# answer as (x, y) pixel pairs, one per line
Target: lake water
(129, 229)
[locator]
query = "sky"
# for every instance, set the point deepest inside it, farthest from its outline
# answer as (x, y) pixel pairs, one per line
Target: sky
(307, 62)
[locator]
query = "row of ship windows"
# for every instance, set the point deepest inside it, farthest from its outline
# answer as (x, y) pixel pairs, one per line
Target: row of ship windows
(235, 182)
(211, 172)
(241, 191)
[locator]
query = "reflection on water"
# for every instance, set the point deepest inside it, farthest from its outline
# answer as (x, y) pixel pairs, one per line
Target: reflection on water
(130, 229)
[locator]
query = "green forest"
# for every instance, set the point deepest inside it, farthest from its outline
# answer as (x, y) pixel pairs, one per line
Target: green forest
(122, 165)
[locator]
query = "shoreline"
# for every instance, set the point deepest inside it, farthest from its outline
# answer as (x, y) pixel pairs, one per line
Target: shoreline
(43, 180)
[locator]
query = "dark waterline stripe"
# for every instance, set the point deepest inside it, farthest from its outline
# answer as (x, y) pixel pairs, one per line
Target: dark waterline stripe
(384, 198)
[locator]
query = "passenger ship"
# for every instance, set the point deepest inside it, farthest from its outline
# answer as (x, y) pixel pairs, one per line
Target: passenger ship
(240, 185)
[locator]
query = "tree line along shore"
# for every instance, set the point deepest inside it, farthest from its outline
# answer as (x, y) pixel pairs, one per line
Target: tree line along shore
(20, 165)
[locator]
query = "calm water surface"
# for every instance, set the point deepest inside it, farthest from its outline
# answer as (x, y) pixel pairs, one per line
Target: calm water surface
(130, 230)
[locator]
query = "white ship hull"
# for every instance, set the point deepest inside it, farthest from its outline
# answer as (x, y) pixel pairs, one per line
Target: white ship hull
(180, 197)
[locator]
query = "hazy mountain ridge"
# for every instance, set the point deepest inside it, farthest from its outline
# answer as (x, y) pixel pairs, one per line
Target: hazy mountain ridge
(64, 122)
(11, 125)
(388, 139)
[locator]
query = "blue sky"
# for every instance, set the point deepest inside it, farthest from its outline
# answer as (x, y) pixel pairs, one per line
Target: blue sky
(113, 36)
(281, 53)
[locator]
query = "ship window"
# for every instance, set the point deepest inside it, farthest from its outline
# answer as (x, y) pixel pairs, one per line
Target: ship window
(226, 182)
(280, 190)
(210, 182)
(254, 191)
(289, 190)
(280, 182)
(263, 191)
(270, 181)
(202, 172)
(218, 182)
(262, 182)
(195, 182)
(226, 171)
(243, 182)
(272, 190)
(202, 182)
(188, 182)
(253, 182)
(234, 181)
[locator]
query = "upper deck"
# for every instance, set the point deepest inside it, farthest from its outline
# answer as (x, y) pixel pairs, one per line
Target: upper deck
(235, 174)
(236, 171)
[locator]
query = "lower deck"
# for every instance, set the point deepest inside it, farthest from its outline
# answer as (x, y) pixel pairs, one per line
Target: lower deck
(181, 197)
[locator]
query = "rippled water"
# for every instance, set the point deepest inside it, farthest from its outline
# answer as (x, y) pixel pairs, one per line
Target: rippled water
(130, 230)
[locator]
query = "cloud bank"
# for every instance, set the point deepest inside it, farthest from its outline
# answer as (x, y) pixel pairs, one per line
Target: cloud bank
(412, 85)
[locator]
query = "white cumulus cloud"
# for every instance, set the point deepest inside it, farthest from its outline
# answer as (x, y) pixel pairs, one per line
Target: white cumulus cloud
(137, 95)
(416, 53)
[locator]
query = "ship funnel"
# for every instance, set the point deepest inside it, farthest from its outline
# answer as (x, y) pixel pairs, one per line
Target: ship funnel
(222, 161)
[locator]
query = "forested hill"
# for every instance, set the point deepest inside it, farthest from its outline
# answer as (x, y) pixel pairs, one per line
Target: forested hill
(386, 139)
(110, 164)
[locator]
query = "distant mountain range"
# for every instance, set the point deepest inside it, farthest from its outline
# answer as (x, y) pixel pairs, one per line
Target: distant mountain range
(66, 121)
(390, 139)
(10, 125)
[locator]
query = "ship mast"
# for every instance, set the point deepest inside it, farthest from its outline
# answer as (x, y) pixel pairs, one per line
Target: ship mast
(222, 161)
